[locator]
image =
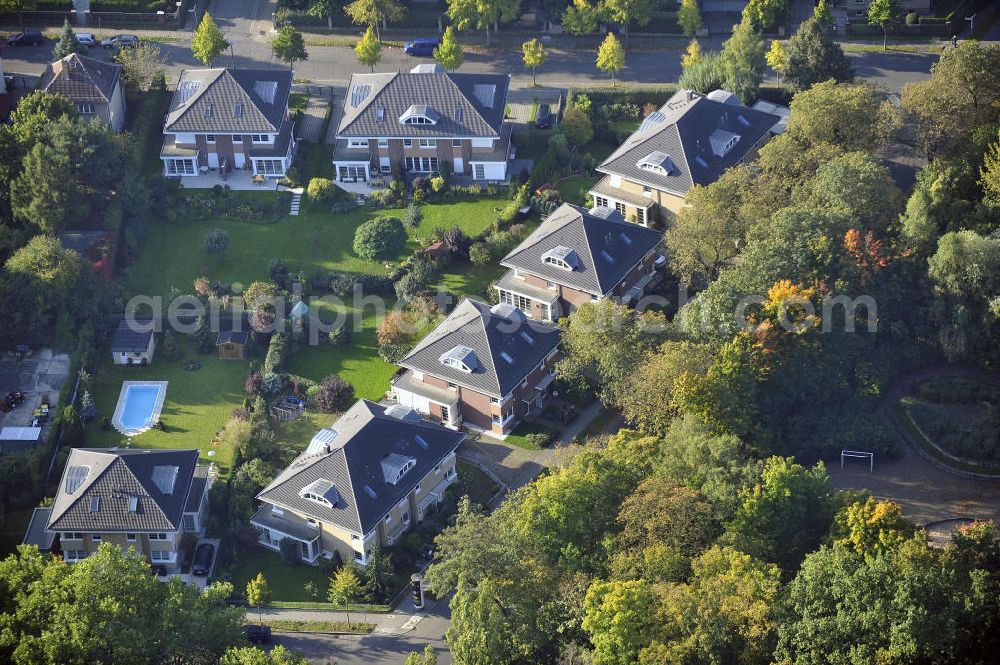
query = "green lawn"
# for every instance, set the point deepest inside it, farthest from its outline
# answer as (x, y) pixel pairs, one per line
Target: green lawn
(287, 582)
(316, 239)
(299, 626)
(471, 282)
(198, 403)
(519, 437)
(574, 188)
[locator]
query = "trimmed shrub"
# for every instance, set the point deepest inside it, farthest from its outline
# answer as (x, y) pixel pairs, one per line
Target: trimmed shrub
(216, 241)
(413, 216)
(319, 190)
(392, 353)
(380, 239)
(334, 395)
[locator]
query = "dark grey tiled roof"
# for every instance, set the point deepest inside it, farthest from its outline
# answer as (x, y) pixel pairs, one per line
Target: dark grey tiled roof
(490, 335)
(682, 129)
(36, 534)
(127, 340)
(81, 79)
(607, 249)
(365, 436)
(453, 96)
(206, 100)
(199, 485)
(100, 500)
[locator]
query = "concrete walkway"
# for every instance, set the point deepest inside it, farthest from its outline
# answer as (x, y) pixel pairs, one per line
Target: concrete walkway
(313, 117)
(392, 623)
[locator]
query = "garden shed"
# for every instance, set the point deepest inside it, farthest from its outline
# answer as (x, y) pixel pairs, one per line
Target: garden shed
(133, 343)
(233, 344)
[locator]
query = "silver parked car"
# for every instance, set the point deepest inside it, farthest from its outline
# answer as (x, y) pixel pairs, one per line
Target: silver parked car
(118, 41)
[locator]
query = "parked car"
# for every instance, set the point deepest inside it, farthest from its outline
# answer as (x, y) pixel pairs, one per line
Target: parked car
(118, 41)
(422, 46)
(26, 38)
(86, 39)
(544, 118)
(159, 571)
(257, 634)
(202, 560)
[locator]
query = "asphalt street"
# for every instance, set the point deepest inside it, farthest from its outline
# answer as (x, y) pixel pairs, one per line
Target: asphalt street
(372, 649)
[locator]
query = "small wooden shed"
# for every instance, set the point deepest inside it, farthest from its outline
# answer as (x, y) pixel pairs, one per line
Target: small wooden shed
(233, 344)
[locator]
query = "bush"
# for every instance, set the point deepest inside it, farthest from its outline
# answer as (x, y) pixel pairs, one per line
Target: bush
(392, 353)
(479, 254)
(458, 242)
(380, 238)
(339, 337)
(409, 286)
(271, 385)
(540, 439)
(216, 241)
(912, 18)
(438, 183)
(319, 190)
(289, 551)
(577, 127)
(413, 216)
(252, 384)
(334, 395)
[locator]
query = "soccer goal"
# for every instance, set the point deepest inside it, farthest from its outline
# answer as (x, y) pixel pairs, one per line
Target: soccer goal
(858, 454)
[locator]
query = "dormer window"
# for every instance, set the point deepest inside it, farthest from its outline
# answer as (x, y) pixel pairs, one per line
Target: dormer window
(461, 358)
(561, 257)
(722, 142)
(419, 114)
(321, 491)
(657, 162)
(394, 467)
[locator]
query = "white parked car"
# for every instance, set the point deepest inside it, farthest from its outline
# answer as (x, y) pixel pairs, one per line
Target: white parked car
(119, 41)
(86, 39)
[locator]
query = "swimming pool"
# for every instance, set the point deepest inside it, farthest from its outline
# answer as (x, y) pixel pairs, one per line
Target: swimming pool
(139, 406)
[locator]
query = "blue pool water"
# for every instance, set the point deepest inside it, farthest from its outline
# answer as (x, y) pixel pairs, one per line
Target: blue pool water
(140, 401)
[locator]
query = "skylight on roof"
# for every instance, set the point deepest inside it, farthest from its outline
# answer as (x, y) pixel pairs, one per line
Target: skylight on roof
(742, 120)
(266, 90)
(360, 94)
(165, 477)
(370, 492)
(607, 257)
(458, 114)
(700, 162)
(75, 476)
(507, 358)
(95, 504)
(188, 88)
(624, 238)
(485, 93)
(526, 337)
(208, 110)
(133, 504)
(238, 110)
(321, 491)
(421, 441)
(380, 113)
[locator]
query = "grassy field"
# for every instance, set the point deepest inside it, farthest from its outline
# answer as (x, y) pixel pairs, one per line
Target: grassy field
(316, 239)
(574, 188)
(198, 403)
(296, 626)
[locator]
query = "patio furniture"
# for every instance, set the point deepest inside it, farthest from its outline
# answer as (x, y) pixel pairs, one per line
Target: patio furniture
(257, 179)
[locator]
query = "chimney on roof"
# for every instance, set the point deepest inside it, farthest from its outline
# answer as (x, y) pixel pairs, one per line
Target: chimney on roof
(690, 95)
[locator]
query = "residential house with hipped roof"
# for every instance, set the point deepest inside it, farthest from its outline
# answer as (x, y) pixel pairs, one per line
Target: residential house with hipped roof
(689, 141)
(575, 256)
(413, 122)
(132, 498)
(359, 485)
(226, 120)
(483, 367)
(93, 85)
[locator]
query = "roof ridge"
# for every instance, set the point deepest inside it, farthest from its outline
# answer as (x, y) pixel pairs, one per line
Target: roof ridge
(468, 99)
(525, 244)
(370, 99)
(489, 343)
(83, 487)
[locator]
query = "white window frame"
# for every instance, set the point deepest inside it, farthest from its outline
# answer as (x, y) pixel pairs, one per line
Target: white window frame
(600, 201)
(181, 166)
(357, 143)
(85, 108)
(210, 138)
(428, 143)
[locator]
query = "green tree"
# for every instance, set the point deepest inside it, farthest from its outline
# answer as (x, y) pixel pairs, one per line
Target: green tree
(533, 54)
(611, 57)
(375, 13)
(660, 511)
(647, 401)
(34, 112)
(141, 65)
(742, 61)
(208, 42)
(853, 117)
(726, 613)
(482, 14)
(812, 56)
(859, 187)
(279, 655)
(576, 126)
(289, 46)
(67, 42)
(823, 13)
(378, 573)
(885, 14)
(620, 619)
(345, 589)
(18, 6)
(872, 527)
(704, 74)
(325, 9)
(581, 17)
(478, 631)
(368, 49)
(379, 239)
(216, 241)
(688, 17)
(777, 58)
(691, 55)
(258, 594)
(784, 516)
(625, 12)
(449, 53)
(989, 173)
(764, 14)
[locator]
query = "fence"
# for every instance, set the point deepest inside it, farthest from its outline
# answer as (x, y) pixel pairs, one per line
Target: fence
(99, 20)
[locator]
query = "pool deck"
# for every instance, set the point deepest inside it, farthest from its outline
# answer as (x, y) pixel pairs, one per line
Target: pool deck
(154, 416)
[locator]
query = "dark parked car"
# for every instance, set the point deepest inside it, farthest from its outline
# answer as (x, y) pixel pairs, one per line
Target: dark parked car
(544, 118)
(202, 560)
(257, 634)
(159, 571)
(120, 41)
(26, 38)
(421, 46)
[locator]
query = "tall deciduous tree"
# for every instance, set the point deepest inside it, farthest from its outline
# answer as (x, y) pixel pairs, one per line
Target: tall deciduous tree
(689, 17)
(324, 9)
(581, 17)
(620, 618)
(852, 117)
(764, 14)
(482, 14)
(742, 61)
(67, 42)
(813, 56)
(989, 174)
(691, 55)
(368, 49)
(345, 589)
(449, 53)
(533, 54)
(140, 65)
(479, 631)
(777, 58)
(289, 46)
(625, 12)
(258, 594)
(885, 14)
(208, 42)
(375, 13)
(611, 57)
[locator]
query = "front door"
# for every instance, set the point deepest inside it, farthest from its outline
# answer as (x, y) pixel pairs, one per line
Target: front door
(459, 165)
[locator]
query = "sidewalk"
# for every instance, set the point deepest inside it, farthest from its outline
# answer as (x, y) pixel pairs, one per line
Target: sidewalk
(399, 622)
